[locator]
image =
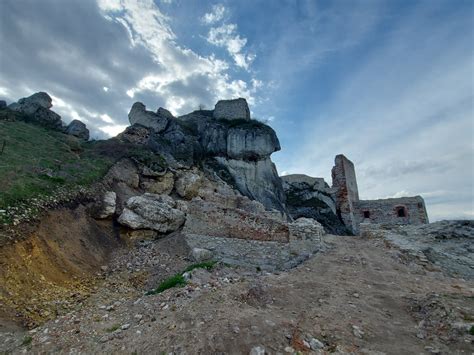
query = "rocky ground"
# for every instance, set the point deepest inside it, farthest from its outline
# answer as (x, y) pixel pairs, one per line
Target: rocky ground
(359, 296)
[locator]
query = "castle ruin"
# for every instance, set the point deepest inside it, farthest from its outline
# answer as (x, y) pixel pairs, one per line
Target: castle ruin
(353, 211)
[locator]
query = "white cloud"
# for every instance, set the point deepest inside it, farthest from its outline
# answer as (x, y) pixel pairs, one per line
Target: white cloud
(226, 36)
(217, 13)
(113, 130)
(183, 78)
(105, 88)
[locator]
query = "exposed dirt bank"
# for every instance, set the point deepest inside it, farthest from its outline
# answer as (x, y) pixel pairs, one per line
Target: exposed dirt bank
(43, 274)
(361, 297)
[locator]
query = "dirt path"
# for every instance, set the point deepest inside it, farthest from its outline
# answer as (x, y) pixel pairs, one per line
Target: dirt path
(359, 296)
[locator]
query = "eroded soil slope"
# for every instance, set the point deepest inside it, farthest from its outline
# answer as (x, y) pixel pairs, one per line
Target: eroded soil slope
(360, 296)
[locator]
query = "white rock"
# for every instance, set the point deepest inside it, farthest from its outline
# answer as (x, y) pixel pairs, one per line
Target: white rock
(257, 350)
(315, 344)
(150, 211)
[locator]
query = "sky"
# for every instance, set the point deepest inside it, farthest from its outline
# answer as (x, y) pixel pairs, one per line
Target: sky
(389, 84)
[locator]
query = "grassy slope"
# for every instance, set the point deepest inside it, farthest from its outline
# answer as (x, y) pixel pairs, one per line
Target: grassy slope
(36, 160)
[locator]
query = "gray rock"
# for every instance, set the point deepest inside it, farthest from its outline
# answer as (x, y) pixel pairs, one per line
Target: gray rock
(232, 109)
(37, 108)
(311, 197)
(258, 180)
(78, 129)
(200, 254)
(3, 104)
(188, 184)
(252, 144)
(162, 112)
(315, 344)
(257, 350)
(151, 211)
(139, 115)
(108, 205)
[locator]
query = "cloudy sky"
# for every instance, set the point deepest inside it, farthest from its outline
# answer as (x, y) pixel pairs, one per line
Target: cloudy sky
(387, 83)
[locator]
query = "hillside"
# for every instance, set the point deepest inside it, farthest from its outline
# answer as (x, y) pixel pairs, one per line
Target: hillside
(181, 227)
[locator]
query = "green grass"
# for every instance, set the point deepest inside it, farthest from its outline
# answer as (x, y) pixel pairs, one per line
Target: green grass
(37, 161)
(27, 340)
(178, 279)
(112, 328)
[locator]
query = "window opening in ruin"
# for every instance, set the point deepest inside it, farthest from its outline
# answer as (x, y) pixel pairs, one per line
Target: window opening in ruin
(366, 214)
(401, 212)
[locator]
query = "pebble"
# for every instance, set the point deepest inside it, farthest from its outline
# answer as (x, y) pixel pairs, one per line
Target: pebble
(357, 331)
(289, 349)
(257, 350)
(356, 295)
(125, 326)
(315, 344)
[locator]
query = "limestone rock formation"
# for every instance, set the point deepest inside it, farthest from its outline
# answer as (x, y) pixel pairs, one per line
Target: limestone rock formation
(311, 197)
(232, 109)
(188, 184)
(251, 144)
(162, 112)
(151, 211)
(139, 115)
(78, 129)
(200, 254)
(159, 185)
(37, 108)
(108, 205)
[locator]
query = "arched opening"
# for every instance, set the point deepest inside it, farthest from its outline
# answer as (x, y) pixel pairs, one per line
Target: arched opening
(401, 211)
(366, 214)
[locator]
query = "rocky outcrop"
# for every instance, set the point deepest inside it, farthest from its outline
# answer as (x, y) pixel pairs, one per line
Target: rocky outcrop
(157, 121)
(188, 184)
(37, 108)
(232, 109)
(150, 211)
(311, 197)
(258, 180)
(251, 144)
(78, 129)
(108, 205)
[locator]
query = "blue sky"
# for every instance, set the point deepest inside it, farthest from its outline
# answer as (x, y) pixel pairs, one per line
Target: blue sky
(387, 83)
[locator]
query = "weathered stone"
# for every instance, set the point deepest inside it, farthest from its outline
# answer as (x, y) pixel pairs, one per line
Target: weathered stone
(108, 205)
(315, 344)
(135, 134)
(162, 112)
(305, 236)
(78, 129)
(258, 180)
(188, 184)
(139, 115)
(311, 197)
(124, 171)
(257, 350)
(37, 108)
(151, 211)
(251, 144)
(200, 254)
(160, 185)
(232, 109)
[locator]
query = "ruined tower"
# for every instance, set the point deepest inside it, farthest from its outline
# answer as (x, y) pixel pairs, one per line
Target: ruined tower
(344, 183)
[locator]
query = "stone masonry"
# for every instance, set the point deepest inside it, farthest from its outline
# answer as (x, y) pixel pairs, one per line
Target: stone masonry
(353, 212)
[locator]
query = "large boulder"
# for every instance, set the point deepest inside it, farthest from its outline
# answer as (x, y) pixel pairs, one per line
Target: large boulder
(78, 129)
(255, 143)
(150, 211)
(162, 184)
(37, 108)
(312, 197)
(108, 205)
(258, 180)
(232, 109)
(139, 115)
(188, 184)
